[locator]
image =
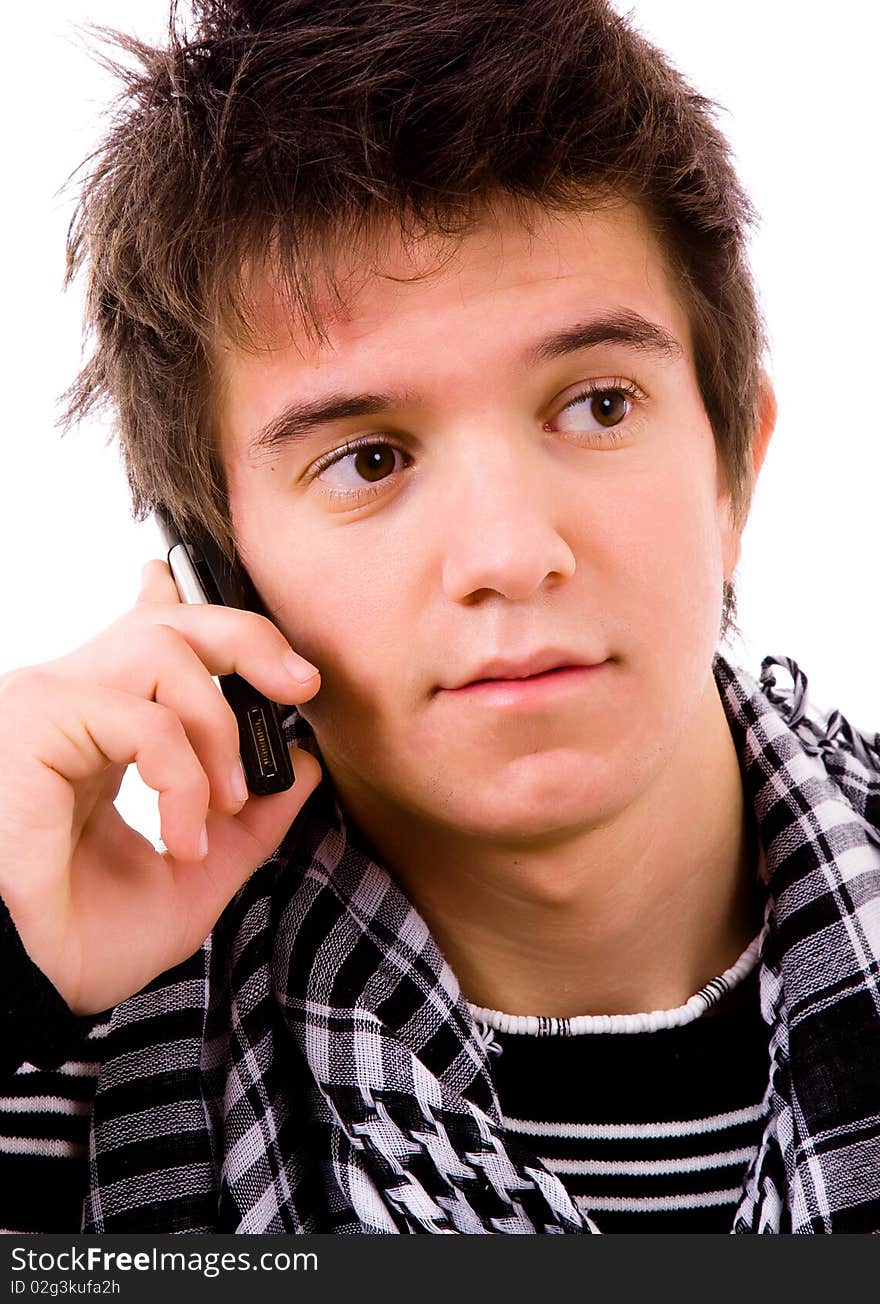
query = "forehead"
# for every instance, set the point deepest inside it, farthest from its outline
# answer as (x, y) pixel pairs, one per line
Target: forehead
(409, 309)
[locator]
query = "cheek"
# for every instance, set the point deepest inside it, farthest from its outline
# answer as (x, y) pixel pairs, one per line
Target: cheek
(668, 542)
(347, 596)
(352, 612)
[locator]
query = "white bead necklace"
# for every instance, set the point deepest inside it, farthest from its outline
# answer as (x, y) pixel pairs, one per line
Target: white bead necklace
(699, 1003)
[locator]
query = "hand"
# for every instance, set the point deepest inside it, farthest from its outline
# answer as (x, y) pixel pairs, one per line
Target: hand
(98, 909)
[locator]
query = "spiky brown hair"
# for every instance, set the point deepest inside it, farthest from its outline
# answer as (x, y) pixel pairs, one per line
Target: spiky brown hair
(290, 128)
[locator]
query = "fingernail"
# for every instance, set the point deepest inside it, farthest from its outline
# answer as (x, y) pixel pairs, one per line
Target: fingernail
(237, 783)
(298, 668)
(203, 842)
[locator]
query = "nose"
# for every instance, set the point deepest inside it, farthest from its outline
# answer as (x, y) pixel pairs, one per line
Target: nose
(503, 531)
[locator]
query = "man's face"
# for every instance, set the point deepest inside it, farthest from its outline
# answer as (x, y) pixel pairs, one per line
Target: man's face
(555, 504)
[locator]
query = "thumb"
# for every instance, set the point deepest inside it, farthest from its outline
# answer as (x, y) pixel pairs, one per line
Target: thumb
(157, 583)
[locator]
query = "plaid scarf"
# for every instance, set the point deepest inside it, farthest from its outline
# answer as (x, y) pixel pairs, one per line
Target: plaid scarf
(315, 1067)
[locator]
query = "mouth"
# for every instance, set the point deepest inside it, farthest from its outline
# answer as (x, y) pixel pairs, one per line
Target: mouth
(531, 665)
(519, 679)
(541, 687)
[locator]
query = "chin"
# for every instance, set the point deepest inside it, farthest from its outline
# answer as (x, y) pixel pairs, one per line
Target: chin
(539, 799)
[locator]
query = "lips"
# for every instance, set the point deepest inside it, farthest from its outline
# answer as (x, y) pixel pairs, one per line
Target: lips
(524, 667)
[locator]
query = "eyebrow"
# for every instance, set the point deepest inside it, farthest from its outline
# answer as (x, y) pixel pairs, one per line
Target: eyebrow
(299, 421)
(628, 328)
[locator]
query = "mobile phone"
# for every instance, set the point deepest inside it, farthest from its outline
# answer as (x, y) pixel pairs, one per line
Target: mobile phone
(203, 574)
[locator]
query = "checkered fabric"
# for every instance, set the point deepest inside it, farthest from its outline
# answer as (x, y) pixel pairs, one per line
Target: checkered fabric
(315, 1067)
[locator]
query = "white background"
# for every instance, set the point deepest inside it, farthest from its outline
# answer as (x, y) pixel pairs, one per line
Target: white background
(799, 87)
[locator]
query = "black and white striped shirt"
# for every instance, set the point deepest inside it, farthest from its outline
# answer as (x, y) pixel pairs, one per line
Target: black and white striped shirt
(650, 1132)
(650, 1121)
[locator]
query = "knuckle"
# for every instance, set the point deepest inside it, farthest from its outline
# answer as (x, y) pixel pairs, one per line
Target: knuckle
(268, 627)
(166, 723)
(198, 787)
(145, 616)
(169, 737)
(162, 637)
(277, 644)
(213, 722)
(26, 683)
(226, 728)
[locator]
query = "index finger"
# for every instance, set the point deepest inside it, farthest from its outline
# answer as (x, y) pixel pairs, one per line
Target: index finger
(157, 583)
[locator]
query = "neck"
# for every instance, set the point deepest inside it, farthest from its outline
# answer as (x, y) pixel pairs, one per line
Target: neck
(632, 915)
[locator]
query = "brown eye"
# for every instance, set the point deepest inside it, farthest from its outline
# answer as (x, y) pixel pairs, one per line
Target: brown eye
(375, 462)
(609, 407)
(598, 409)
(359, 466)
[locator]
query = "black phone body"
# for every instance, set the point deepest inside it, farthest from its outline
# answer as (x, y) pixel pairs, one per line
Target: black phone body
(202, 574)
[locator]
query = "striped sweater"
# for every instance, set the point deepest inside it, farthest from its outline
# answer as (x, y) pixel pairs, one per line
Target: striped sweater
(667, 1159)
(650, 1131)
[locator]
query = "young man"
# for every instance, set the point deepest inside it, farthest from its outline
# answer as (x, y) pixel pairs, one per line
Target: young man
(438, 320)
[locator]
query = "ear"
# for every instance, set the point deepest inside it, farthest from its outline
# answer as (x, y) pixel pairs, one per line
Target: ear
(766, 423)
(759, 444)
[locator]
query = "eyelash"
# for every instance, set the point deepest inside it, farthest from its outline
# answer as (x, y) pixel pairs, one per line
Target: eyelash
(612, 435)
(330, 459)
